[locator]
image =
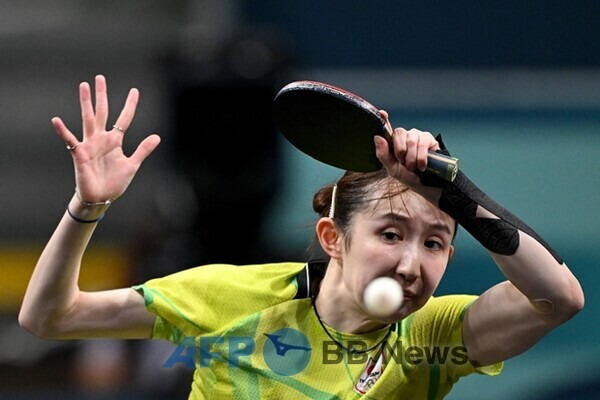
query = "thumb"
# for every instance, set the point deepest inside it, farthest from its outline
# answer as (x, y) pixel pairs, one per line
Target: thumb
(145, 148)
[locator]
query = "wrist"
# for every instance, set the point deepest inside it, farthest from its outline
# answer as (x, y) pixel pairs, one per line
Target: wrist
(86, 212)
(489, 223)
(95, 203)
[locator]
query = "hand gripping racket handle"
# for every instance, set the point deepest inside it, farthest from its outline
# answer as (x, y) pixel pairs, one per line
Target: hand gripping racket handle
(440, 165)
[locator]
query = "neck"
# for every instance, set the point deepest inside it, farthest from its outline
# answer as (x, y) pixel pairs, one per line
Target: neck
(338, 308)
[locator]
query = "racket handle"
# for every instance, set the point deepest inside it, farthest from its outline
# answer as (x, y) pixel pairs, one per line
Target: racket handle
(442, 166)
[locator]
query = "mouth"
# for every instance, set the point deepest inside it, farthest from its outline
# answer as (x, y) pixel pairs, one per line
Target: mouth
(409, 295)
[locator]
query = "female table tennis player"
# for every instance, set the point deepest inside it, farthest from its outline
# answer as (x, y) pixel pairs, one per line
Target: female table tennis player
(301, 330)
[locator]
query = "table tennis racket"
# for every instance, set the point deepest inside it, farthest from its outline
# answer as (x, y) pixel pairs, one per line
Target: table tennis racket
(336, 127)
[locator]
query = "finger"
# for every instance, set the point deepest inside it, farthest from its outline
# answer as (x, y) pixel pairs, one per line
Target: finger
(423, 146)
(412, 141)
(128, 112)
(65, 134)
(144, 149)
(399, 140)
(87, 110)
(434, 144)
(101, 103)
(388, 125)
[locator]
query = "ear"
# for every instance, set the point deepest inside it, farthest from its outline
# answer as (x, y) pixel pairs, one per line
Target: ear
(451, 253)
(329, 238)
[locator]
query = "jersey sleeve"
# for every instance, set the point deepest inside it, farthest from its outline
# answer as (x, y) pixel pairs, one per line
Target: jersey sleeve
(206, 299)
(438, 326)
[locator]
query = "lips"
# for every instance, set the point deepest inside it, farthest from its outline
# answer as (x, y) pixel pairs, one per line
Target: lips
(408, 295)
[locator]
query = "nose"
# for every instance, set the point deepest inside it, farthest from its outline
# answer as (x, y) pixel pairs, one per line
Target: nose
(409, 264)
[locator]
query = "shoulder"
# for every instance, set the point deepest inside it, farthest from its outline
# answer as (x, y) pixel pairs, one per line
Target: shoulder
(204, 299)
(222, 279)
(213, 273)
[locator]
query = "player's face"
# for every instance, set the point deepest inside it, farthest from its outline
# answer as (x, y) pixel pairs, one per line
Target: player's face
(406, 238)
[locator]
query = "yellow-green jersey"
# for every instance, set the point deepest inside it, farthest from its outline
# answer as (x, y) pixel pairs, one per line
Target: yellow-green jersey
(251, 332)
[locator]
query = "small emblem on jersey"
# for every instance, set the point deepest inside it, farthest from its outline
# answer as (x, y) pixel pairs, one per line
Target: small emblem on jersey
(370, 375)
(286, 351)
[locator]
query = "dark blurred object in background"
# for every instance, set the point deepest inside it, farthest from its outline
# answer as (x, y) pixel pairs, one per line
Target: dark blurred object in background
(225, 143)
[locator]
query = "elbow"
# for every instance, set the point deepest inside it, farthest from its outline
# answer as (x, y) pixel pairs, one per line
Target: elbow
(576, 301)
(28, 322)
(38, 327)
(572, 302)
(563, 306)
(47, 320)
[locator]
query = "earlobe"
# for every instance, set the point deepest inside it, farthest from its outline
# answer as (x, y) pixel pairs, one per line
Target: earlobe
(328, 237)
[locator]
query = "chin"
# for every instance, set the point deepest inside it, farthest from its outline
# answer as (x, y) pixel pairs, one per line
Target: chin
(404, 311)
(395, 317)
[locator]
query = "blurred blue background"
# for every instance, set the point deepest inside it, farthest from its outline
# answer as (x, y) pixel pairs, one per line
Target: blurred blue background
(513, 86)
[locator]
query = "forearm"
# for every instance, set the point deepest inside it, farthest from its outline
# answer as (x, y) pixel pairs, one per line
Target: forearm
(523, 256)
(53, 290)
(535, 271)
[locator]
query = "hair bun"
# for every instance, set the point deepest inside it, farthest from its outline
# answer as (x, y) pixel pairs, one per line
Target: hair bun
(322, 200)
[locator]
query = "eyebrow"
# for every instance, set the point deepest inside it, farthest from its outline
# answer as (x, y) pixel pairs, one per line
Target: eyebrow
(439, 226)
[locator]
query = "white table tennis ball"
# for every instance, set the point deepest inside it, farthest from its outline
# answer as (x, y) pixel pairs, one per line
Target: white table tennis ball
(383, 296)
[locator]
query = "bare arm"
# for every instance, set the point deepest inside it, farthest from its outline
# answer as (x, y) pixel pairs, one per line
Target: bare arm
(541, 292)
(509, 318)
(53, 306)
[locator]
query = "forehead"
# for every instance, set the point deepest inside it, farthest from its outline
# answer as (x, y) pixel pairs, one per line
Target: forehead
(406, 204)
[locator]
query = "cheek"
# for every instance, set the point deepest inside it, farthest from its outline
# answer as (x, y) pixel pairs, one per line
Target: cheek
(432, 274)
(364, 263)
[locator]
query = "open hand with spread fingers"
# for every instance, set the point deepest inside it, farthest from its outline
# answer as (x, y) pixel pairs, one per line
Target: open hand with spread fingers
(102, 171)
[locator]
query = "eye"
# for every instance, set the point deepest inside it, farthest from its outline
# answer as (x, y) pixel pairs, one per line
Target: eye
(391, 236)
(434, 244)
